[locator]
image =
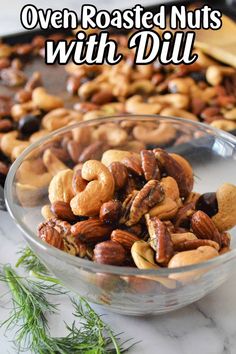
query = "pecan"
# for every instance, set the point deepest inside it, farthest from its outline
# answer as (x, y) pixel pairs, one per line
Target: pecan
(78, 183)
(62, 210)
(133, 164)
(126, 239)
(194, 244)
(74, 246)
(151, 194)
(109, 252)
(127, 205)
(51, 236)
(91, 230)
(175, 170)
(93, 151)
(110, 212)
(62, 227)
(160, 239)
(120, 174)
(204, 228)
(149, 165)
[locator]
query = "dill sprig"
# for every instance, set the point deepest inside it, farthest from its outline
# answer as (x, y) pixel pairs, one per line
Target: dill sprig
(29, 261)
(31, 307)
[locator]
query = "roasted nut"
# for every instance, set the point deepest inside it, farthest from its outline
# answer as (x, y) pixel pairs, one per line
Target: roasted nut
(10, 141)
(136, 105)
(188, 171)
(178, 238)
(230, 114)
(133, 164)
(180, 85)
(44, 101)
(99, 190)
(60, 117)
(13, 77)
(33, 173)
(204, 228)
(182, 217)
(111, 133)
(120, 174)
(224, 124)
(177, 112)
(52, 237)
(5, 125)
(60, 187)
(74, 149)
(62, 210)
(160, 239)
(46, 212)
(165, 210)
(21, 110)
(194, 244)
(110, 212)
(181, 259)
(170, 188)
(151, 194)
(178, 171)
(74, 246)
(149, 165)
(216, 73)
(143, 255)
(207, 202)
(93, 151)
(53, 164)
(125, 238)
(78, 183)
(110, 156)
(109, 252)
(102, 97)
(177, 100)
(225, 219)
(163, 134)
(91, 231)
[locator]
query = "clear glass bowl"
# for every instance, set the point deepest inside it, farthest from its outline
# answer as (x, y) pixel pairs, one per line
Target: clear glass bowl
(128, 290)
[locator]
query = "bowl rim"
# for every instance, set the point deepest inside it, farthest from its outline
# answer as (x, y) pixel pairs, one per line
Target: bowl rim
(87, 264)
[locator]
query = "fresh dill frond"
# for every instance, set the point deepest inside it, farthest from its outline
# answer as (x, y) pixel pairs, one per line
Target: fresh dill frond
(29, 261)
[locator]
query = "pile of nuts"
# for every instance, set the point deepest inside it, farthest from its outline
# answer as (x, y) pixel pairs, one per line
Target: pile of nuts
(126, 208)
(204, 91)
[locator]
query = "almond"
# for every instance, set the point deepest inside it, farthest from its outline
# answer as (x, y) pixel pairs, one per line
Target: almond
(194, 244)
(204, 228)
(109, 252)
(63, 211)
(102, 97)
(91, 230)
(120, 174)
(126, 239)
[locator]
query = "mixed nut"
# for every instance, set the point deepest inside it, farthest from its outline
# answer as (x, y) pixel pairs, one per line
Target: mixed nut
(204, 91)
(129, 208)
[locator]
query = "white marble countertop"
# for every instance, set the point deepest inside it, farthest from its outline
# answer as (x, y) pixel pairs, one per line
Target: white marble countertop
(206, 327)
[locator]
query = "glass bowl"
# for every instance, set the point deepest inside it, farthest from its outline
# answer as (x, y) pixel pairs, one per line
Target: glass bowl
(128, 290)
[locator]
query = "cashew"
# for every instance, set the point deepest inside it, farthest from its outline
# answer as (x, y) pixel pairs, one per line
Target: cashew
(5, 50)
(98, 113)
(181, 85)
(20, 110)
(224, 124)
(53, 164)
(143, 255)
(225, 219)
(33, 172)
(134, 146)
(99, 190)
(170, 187)
(38, 135)
(135, 104)
(88, 89)
(9, 142)
(60, 187)
(110, 156)
(59, 118)
(46, 212)
(176, 112)
(113, 108)
(216, 73)
(179, 238)
(141, 86)
(165, 210)
(230, 114)
(44, 101)
(177, 100)
(181, 259)
(163, 134)
(111, 133)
